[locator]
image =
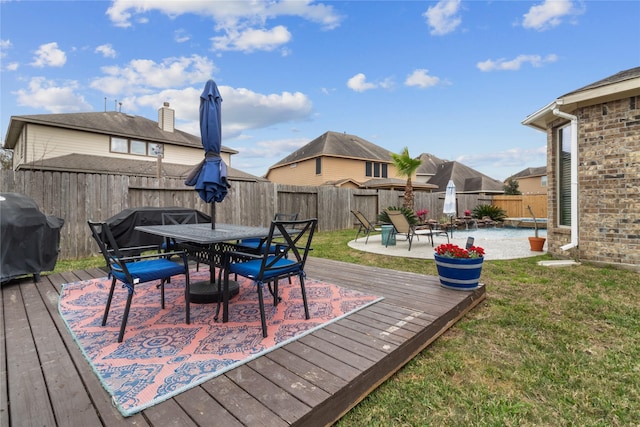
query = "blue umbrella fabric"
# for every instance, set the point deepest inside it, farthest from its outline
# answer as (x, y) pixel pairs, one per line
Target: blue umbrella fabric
(210, 177)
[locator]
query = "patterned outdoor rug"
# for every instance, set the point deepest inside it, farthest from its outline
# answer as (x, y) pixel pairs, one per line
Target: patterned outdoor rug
(161, 356)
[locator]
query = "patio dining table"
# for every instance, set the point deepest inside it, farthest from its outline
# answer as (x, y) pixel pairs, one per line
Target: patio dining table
(208, 246)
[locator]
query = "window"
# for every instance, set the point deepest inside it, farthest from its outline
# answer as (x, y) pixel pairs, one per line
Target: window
(134, 146)
(138, 147)
(543, 181)
(119, 145)
(318, 165)
(377, 170)
(564, 175)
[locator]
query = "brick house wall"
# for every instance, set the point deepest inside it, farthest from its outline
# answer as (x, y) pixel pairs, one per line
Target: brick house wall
(608, 184)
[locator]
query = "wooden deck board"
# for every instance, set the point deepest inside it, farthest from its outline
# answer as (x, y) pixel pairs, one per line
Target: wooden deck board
(311, 382)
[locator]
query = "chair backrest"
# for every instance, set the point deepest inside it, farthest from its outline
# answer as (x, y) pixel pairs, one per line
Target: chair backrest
(108, 246)
(399, 221)
(362, 219)
(293, 239)
(285, 217)
(179, 218)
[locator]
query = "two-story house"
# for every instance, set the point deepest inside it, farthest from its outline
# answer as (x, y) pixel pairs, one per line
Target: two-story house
(108, 142)
(531, 180)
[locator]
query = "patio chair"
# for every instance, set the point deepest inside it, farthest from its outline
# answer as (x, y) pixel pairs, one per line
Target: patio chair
(290, 237)
(365, 225)
(257, 244)
(402, 226)
(168, 218)
(134, 270)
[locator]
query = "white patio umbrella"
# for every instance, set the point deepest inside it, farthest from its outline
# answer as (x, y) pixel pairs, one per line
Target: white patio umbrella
(450, 202)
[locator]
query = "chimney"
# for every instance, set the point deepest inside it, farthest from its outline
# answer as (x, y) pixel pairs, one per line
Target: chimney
(166, 118)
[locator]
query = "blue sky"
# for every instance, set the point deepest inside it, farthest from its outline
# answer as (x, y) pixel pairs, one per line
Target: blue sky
(450, 78)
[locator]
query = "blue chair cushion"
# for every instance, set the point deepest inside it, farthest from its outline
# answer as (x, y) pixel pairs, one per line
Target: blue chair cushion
(149, 270)
(257, 244)
(251, 268)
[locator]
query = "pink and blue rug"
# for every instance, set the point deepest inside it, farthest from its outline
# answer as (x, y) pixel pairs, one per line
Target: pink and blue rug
(161, 356)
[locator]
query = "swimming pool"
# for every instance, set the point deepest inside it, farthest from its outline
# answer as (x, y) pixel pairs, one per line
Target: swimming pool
(524, 222)
(500, 233)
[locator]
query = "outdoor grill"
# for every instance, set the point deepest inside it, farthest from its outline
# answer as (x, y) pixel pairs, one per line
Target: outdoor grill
(29, 239)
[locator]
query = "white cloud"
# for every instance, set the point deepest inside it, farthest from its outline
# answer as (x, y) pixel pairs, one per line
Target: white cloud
(359, 83)
(252, 39)
(106, 50)
(4, 46)
(12, 66)
(422, 79)
(181, 36)
(46, 94)
(49, 55)
(141, 76)
(241, 22)
(273, 149)
(549, 14)
(443, 18)
(516, 63)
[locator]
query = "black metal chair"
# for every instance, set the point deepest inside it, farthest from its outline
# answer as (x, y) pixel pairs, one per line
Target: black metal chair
(257, 245)
(178, 218)
(366, 226)
(134, 270)
(293, 242)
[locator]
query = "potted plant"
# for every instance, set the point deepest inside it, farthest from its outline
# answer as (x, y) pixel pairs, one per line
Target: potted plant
(459, 268)
(536, 243)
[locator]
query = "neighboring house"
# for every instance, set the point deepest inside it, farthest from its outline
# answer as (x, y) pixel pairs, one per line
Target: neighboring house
(108, 142)
(344, 160)
(593, 166)
(341, 160)
(438, 172)
(531, 180)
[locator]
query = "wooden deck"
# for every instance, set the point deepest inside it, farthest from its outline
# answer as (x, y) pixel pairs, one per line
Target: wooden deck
(46, 381)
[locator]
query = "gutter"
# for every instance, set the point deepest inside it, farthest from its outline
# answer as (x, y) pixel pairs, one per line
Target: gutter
(574, 177)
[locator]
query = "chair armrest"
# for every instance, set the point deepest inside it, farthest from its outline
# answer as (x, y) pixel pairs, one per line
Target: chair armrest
(154, 255)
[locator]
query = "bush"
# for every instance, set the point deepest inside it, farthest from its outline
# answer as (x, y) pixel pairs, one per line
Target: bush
(408, 213)
(493, 212)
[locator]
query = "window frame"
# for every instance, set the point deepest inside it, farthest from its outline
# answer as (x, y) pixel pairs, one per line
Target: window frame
(563, 176)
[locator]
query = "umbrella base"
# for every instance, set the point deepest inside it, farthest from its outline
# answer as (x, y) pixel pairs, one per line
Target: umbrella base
(206, 292)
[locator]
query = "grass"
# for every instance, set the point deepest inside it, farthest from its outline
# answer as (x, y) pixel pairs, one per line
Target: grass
(549, 346)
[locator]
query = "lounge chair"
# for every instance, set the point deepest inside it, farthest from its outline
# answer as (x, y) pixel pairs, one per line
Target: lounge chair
(365, 225)
(402, 226)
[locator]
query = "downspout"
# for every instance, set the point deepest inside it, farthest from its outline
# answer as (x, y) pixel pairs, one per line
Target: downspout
(574, 177)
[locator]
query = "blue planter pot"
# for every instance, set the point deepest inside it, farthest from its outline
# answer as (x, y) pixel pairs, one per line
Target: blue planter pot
(461, 274)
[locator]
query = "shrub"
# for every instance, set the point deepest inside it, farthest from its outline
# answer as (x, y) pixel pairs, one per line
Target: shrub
(493, 212)
(408, 213)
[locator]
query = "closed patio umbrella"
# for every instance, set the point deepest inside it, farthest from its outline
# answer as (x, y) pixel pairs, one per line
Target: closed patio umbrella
(210, 177)
(450, 202)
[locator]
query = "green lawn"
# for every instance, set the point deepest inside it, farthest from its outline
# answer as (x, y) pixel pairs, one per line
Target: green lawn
(549, 346)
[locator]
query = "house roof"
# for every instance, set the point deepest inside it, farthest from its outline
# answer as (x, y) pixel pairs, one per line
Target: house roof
(430, 164)
(83, 163)
(395, 184)
(529, 172)
(617, 86)
(466, 179)
(335, 144)
(109, 123)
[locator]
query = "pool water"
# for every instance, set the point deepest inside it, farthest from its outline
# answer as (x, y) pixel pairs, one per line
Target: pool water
(499, 233)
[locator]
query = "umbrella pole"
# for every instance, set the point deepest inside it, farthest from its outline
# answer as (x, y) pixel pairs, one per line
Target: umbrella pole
(213, 215)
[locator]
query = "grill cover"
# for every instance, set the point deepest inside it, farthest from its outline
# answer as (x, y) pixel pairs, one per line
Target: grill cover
(29, 239)
(123, 224)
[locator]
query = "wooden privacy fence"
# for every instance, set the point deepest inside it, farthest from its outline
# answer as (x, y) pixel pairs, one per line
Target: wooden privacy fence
(516, 206)
(78, 197)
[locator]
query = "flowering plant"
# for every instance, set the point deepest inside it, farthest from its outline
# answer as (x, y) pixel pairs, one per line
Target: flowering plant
(422, 214)
(467, 213)
(449, 250)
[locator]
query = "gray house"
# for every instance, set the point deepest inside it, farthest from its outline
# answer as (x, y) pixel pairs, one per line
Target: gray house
(593, 170)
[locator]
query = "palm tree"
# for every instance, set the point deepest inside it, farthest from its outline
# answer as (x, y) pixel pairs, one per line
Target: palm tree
(406, 166)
